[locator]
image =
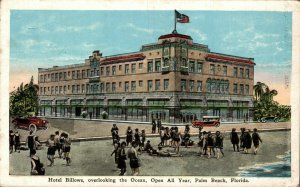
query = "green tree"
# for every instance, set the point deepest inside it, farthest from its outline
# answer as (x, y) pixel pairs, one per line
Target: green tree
(24, 100)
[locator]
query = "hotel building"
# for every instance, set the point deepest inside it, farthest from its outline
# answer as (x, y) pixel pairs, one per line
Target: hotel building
(173, 79)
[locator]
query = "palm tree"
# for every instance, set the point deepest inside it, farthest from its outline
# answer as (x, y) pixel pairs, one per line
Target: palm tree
(259, 90)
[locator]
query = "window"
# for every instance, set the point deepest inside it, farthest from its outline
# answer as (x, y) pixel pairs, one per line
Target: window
(157, 65)
(60, 89)
(199, 67)
(102, 71)
(87, 87)
(140, 83)
(235, 88)
(65, 89)
(56, 77)
(101, 87)
(56, 89)
(113, 71)
(150, 66)
(247, 73)
(107, 87)
(113, 87)
(242, 72)
(82, 88)
(166, 84)
(68, 87)
(157, 85)
(191, 85)
(126, 68)
(225, 70)
(247, 89)
(133, 67)
(183, 85)
(208, 85)
(120, 67)
(41, 79)
(83, 74)
(199, 86)
(183, 62)
(52, 89)
(98, 73)
(166, 62)
(235, 71)
(150, 85)
(88, 73)
(107, 71)
(60, 76)
(126, 86)
(78, 74)
(141, 65)
(73, 74)
(78, 89)
(212, 69)
(120, 84)
(192, 66)
(133, 86)
(241, 89)
(44, 90)
(52, 77)
(41, 92)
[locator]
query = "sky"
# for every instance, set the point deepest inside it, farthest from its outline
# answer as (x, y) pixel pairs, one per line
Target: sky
(46, 38)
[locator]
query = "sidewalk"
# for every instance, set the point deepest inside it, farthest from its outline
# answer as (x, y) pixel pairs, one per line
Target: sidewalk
(87, 130)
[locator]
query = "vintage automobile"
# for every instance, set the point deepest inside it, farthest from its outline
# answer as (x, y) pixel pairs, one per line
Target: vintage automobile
(30, 123)
(269, 119)
(207, 121)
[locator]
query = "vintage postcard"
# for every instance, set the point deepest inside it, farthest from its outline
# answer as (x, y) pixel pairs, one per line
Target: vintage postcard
(135, 93)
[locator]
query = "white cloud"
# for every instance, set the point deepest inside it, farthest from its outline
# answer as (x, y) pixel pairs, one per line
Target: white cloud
(70, 28)
(144, 30)
(199, 34)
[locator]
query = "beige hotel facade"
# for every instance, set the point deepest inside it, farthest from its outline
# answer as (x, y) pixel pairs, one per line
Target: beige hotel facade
(173, 79)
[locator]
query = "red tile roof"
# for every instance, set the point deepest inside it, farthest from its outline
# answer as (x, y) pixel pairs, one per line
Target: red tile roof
(122, 58)
(230, 59)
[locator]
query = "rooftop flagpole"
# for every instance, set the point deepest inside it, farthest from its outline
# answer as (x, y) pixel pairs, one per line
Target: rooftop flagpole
(175, 20)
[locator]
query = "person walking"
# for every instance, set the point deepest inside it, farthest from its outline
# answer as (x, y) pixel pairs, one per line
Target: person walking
(122, 158)
(51, 149)
(219, 144)
(31, 142)
(161, 135)
(143, 139)
(17, 142)
(37, 168)
(133, 159)
(153, 126)
(247, 141)
(129, 136)
(234, 138)
(177, 136)
(115, 152)
(11, 141)
(56, 142)
(114, 130)
(210, 144)
(67, 148)
(256, 139)
(242, 139)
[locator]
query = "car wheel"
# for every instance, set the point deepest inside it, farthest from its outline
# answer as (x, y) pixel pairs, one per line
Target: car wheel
(32, 127)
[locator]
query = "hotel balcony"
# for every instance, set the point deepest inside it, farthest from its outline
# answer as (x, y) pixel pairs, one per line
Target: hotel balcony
(94, 79)
(184, 70)
(165, 70)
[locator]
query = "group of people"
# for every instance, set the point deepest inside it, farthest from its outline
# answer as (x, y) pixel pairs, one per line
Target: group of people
(136, 141)
(244, 142)
(210, 143)
(60, 143)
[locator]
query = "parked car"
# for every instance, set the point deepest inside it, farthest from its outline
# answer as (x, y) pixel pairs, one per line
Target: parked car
(30, 123)
(207, 121)
(269, 119)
